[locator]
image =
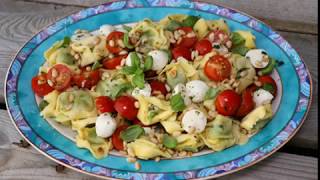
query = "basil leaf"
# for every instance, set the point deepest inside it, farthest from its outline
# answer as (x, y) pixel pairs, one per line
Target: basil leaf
(190, 21)
(211, 93)
(138, 80)
(128, 70)
(135, 60)
(131, 133)
(96, 65)
(127, 28)
(43, 104)
(242, 50)
(237, 39)
(117, 90)
(66, 42)
(177, 103)
(268, 87)
(173, 25)
(169, 141)
(126, 41)
(148, 63)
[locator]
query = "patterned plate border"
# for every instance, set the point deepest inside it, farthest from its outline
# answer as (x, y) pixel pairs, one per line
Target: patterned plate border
(257, 155)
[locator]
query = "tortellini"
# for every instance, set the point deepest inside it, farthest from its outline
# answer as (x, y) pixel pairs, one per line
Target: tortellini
(145, 149)
(174, 17)
(189, 142)
(51, 99)
(218, 24)
(172, 125)
(249, 38)
(201, 28)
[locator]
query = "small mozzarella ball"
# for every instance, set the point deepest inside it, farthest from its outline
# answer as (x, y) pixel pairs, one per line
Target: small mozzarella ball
(128, 59)
(160, 59)
(194, 121)
(180, 88)
(196, 90)
(261, 97)
(106, 29)
(105, 125)
(146, 91)
(258, 58)
(147, 130)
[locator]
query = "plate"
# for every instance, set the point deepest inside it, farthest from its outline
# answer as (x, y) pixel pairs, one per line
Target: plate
(293, 103)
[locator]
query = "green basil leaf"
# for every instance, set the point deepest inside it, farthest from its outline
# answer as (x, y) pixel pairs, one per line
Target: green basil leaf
(242, 50)
(66, 41)
(177, 103)
(131, 133)
(135, 60)
(148, 63)
(190, 21)
(173, 25)
(138, 80)
(96, 65)
(118, 90)
(43, 104)
(237, 39)
(169, 141)
(126, 41)
(127, 28)
(211, 93)
(129, 70)
(268, 87)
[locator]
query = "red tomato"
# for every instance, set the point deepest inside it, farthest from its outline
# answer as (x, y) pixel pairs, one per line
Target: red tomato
(40, 85)
(138, 122)
(217, 34)
(87, 79)
(158, 86)
(104, 104)
(247, 103)
(60, 76)
(116, 140)
(228, 102)
(187, 40)
(114, 62)
(267, 80)
(203, 46)
(181, 52)
(218, 68)
(124, 105)
(114, 37)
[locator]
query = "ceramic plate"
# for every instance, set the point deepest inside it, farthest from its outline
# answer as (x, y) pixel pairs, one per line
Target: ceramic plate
(293, 100)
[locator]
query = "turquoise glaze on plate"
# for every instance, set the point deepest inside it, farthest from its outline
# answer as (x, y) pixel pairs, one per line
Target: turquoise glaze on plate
(23, 109)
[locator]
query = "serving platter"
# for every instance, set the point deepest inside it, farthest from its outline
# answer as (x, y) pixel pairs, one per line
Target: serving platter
(294, 100)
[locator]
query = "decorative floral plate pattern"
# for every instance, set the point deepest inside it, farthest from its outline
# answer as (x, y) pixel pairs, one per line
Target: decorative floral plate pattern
(16, 111)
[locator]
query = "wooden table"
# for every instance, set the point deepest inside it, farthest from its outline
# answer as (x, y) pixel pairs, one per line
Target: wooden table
(296, 20)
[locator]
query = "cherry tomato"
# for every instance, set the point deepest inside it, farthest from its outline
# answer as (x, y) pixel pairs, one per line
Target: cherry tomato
(267, 80)
(40, 85)
(187, 40)
(158, 86)
(217, 34)
(60, 76)
(217, 68)
(87, 79)
(114, 62)
(228, 102)
(247, 103)
(124, 105)
(116, 140)
(104, 104)
(113, 46)
(181, 52)
(203, 46)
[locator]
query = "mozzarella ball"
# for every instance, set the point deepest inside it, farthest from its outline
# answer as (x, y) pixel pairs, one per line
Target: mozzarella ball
(160, 59)
(146, 91)
(261, 97)
(106, 29)
(129, 61)
(180, 88)
(196, 90)
(258, 58)
(194, 121)
(105, 125)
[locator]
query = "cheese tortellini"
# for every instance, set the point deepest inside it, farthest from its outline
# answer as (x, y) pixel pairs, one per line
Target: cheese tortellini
(145, 149)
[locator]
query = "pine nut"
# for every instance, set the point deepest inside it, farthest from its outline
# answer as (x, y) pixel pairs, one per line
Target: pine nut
(137, 165)
(136, 104)
(131, 159)
(70, 97)
(50, 82)
(157, 159)
(123, 52)
(111, 43)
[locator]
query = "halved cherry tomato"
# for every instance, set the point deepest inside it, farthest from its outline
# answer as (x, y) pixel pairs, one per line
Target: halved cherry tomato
(114, 62)
(104, 104)
(124, 105)
(116, 140)
(247, 103)
(219, 36)
(60, 76)
(40, 85)
(267, 80)
(158, 86)
(87, 79)
(181, 52)
(114, 46)
(218, 68)
(228, 102)
(203, 46)
(188, 39)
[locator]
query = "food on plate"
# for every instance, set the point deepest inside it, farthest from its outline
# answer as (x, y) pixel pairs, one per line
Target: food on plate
(158, 89)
